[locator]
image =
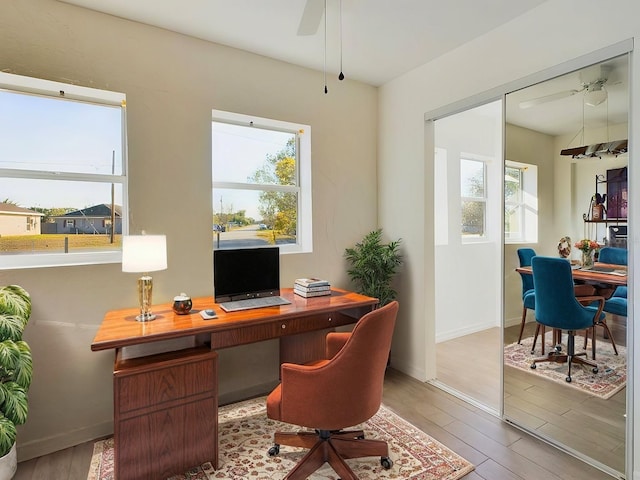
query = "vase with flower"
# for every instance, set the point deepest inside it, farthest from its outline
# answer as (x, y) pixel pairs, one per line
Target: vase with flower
(588, 248)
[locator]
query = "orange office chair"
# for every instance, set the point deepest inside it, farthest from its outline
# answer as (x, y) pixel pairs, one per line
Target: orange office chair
(329, 395)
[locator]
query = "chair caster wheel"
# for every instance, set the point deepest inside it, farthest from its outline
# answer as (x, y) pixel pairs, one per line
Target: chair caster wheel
(532, 352)
(386, 463)
(533, 366)
(360, 437)
(568, 379)
(594, 369)
(275, 450)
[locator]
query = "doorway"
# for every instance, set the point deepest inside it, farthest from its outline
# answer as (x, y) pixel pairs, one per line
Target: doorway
(468, 244)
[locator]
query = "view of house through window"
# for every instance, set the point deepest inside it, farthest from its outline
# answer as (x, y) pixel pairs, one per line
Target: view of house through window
(62, 173)
(260, 182)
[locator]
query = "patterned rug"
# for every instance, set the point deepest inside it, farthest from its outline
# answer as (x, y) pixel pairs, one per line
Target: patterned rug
(612, 369)
(245, 435)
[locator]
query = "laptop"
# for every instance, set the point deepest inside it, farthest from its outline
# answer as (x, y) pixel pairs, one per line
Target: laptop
(247, 278)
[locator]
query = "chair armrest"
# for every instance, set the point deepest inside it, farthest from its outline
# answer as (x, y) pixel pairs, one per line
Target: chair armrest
(586, 301)
(335, 341)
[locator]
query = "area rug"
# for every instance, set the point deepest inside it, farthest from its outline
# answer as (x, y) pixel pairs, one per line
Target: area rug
(612, 369)
(245, 435)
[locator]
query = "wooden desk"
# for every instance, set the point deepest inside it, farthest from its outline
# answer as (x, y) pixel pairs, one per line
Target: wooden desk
(165, 405)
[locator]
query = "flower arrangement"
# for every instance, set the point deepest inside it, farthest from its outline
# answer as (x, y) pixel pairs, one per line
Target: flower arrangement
(587, 246)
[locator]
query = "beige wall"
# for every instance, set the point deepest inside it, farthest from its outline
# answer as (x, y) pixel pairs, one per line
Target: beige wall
(535, 148)
(172, 82)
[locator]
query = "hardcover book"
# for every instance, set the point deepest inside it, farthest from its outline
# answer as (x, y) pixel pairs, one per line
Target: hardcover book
(311, 282)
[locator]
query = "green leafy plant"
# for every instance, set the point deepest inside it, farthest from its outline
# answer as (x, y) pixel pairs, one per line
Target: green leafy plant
(373, 265)
(16, 367)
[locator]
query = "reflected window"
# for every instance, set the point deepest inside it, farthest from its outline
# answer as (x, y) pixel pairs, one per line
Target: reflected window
(520, 202)
(473, 196)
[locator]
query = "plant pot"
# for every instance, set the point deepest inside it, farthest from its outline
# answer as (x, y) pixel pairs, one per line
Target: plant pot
(9, 464)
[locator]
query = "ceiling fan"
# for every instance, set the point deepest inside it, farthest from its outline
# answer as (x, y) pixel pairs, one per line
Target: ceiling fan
(311, 16)
(592, 84)
(309, 24)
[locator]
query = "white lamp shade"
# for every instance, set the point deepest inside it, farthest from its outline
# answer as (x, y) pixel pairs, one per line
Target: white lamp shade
(144, 253)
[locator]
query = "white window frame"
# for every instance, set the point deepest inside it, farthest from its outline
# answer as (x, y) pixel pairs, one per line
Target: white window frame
(528, 204)
(483, 199)
(37, 86)
(304, 237)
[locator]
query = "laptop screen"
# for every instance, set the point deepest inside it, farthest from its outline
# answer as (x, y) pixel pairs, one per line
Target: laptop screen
(244, 273)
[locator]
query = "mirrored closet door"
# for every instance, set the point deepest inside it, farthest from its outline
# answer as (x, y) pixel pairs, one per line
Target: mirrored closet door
(565, 181)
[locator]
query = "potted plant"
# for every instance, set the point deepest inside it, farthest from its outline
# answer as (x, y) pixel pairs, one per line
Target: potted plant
(16, 370)
(373, 265)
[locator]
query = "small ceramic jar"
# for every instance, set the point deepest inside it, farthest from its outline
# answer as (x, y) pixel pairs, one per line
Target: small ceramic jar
(182, 304)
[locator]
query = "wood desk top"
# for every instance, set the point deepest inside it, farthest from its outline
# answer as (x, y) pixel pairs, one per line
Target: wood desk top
(593, 275)
(119, 328)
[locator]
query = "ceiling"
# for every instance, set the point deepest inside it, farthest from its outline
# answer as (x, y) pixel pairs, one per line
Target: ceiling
(381, 40)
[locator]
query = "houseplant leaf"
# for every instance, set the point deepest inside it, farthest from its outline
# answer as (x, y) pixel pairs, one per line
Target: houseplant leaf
(15, 406)
(373, 265)
(7, 435)
(15, 300)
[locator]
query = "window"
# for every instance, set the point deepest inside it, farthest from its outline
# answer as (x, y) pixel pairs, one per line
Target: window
(520, 203)
(261, 178)
(474, 197)
(62, 162)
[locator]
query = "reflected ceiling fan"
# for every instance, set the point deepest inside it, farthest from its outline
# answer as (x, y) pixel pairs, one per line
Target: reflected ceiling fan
(592, 83)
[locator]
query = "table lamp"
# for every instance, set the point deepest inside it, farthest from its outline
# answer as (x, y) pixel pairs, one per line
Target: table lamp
(144, 254)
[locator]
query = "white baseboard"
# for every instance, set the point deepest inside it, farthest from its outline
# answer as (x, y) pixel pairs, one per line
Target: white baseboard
(510, 322)
(397, 364)
(45, 446)
(460, 332)
(251, 392)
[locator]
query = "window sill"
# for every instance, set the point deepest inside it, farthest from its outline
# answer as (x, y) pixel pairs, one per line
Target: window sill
(45, 260)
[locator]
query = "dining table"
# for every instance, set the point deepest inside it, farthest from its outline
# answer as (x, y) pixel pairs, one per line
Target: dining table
(601, 274)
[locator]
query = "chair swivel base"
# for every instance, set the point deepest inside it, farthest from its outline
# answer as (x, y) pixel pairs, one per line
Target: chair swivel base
(558, 357)
(331, 447)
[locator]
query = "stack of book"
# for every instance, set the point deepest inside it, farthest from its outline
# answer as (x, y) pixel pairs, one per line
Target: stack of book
(311, 287)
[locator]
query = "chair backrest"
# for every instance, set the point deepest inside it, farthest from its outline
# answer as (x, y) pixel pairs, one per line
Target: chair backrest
(556, 304)
(525, 255)
(360, 365)
(613, 255)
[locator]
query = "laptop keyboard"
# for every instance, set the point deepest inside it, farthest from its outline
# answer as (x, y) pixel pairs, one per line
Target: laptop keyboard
(250, 303)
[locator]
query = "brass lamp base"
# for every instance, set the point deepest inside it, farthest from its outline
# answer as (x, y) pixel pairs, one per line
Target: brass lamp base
(145, 293)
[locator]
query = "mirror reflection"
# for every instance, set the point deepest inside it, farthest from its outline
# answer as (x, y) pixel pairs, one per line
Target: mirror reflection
(566, 198)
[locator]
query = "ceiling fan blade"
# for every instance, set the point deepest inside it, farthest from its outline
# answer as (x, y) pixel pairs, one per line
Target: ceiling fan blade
(548, 98)
(311, 17)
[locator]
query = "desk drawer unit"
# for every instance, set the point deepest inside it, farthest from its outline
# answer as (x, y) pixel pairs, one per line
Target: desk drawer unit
(284, 327)
(165, 413)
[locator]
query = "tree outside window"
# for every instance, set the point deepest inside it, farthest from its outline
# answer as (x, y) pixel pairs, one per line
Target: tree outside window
(473, 197)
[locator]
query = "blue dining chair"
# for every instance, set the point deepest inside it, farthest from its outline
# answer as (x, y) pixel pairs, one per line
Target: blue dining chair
(528, 295)
(556, 306)
(613, 255)
(617, 303)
